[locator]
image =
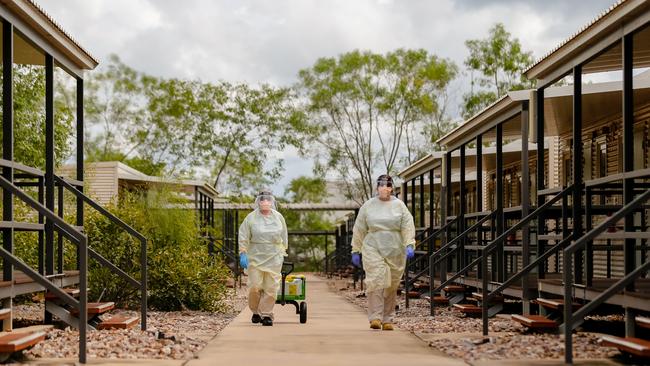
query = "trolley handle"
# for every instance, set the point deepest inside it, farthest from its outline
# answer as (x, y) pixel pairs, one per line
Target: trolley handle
(284, 273)
(289, 265)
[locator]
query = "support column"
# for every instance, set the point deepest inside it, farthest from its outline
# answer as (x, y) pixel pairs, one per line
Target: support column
(479, 192)
(7, 153)
(422, 221)
(525, 204)
(49, 168)
(80, 156)
(539, 176)
(413, 212)
(432, 221)
(577, 170)
(500, 262)
(463, 209)
(628, 166)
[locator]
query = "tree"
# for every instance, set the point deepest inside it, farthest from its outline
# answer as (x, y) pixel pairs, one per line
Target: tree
(367, 110)
(239, 129)
(501, 62)
(307, 251)
(228, 132)
(29, 118)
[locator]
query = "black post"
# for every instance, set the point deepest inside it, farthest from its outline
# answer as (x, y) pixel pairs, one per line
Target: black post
(7, 153)
(628, 166)
(539, 176)
(80, 155)
(422, 221)
(59, 236)
(49, 168)
(463, 209)
(500, 263)
(413, 198)
(525, 204)
(577, 169)
(479, 192)
(432, 221)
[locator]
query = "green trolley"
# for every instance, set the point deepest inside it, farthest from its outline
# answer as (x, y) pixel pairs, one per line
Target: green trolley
(293, 291)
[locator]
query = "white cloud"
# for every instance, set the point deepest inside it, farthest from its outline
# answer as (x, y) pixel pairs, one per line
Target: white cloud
(270, 41)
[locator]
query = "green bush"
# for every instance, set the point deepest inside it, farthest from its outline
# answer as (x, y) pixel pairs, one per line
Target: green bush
(181, 274)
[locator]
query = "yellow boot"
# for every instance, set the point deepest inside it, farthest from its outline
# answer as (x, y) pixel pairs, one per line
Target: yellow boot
(375, 324)
(387, 326)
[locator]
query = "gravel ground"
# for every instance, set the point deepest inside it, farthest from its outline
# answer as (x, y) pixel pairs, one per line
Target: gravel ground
(460, 336)
(170, 335)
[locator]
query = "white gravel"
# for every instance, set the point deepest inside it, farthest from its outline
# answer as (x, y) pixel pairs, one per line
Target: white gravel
(461, 337)
(169, 335)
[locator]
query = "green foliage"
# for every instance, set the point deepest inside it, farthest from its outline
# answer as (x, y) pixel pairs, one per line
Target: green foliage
(307, 251)
(29, 118)
(368, 111)
(501, 62)
(181, 274)
(173, 126)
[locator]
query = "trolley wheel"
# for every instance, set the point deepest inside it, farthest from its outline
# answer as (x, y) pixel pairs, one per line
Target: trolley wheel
(303, 312)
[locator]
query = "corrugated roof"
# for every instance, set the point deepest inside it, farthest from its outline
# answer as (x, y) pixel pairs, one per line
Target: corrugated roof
(60, 29)
(597, 19)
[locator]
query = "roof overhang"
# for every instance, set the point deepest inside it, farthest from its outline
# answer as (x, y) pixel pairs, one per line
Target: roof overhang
(622, 18)
(40, 29)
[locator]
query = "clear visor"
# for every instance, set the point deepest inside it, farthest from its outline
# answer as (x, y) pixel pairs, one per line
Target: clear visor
(384, 183)
(265, 201)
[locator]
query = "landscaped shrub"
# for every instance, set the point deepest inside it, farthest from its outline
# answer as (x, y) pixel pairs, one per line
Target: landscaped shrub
(181, 274)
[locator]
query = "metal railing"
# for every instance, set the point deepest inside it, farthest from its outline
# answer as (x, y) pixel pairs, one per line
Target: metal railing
(409, 280)
(438, 256)
(493, 245)
(75, 237)
(569, 317)
(142, 284)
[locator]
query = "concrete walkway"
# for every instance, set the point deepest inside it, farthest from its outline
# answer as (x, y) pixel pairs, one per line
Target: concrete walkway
(336, 333)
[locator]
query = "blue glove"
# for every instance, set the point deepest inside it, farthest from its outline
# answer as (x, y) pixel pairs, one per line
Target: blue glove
(243, 260)
(410, 252)
(356, 259)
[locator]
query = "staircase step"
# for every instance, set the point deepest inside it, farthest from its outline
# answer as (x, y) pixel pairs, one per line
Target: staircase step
(643, 322)
(441, 300)
(535, 321)
(119, 322)
(96, 308)
(468, 308)
(495, 299)
(556, 304)
(5, 314)
(454, 288)
(413, 295)
(635, 346)
(18, 341)
(51, 296)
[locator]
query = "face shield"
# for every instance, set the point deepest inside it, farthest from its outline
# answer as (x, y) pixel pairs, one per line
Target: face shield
(384, 183)
(265, 201)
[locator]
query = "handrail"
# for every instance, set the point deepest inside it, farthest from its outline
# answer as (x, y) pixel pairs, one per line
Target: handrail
(492, 245)
(568, 275)
(528, 268)
(408, 281)
(142, 284)
(462, 235)
(99, 208)
(75, 237)
(442, 229)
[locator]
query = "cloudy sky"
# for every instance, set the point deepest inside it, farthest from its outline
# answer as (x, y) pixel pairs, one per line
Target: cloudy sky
(270, 40)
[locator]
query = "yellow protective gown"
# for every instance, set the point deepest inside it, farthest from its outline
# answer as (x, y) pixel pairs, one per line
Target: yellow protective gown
(382, 230)
(265, 240)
